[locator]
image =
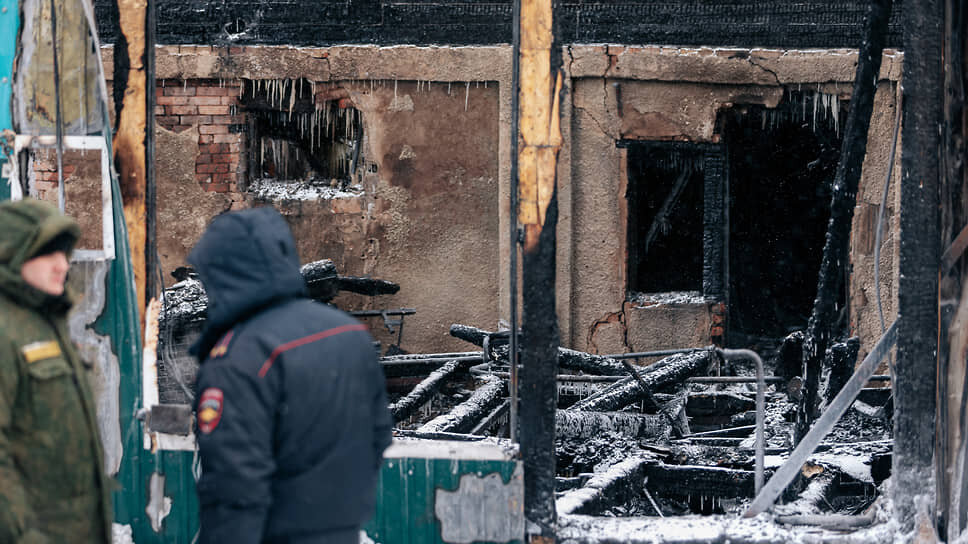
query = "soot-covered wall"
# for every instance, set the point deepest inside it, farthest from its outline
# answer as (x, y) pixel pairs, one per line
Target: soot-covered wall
(808, 24)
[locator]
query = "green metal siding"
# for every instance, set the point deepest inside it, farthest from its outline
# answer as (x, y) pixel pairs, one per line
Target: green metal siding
(407, 497)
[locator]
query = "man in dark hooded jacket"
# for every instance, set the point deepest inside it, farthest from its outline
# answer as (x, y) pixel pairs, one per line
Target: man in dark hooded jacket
(53, 488)
(291, 407)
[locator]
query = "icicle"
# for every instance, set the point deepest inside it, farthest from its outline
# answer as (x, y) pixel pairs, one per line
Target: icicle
(163, 83)
(292, 100)
(836, 106)
(448, 88)
(184, 84)
(467, 94)
(816, 99)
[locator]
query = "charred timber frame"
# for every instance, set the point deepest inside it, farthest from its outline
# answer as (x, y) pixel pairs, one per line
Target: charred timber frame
(538, 143)
(916, 379)
(133, 138)
(821, 327)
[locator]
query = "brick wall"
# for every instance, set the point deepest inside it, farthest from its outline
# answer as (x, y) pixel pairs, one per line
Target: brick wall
(212, 107)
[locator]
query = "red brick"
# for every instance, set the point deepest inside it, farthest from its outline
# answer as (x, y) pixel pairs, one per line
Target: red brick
(228, 158)
(159, 110)
(216, 187)
(214, 110)
(233, 147)
(213, 129)
(204, 138)
(178, 90)
(235, 50)
(212, 148)
(187, 109)
(196, 119)
(207, 100)
(172, 100)
(229, 100)
(225, 138)
(228, 177)
(211, 168)
(166, 120)
(716, 331)
(203, 178)
(203, 158)
(180, 128)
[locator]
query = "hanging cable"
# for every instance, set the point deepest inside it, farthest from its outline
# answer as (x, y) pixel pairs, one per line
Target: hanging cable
(58, 122)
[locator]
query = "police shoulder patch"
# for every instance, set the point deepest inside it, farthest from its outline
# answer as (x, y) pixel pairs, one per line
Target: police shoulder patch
(222, 346)
(210, 409)
(39, 351)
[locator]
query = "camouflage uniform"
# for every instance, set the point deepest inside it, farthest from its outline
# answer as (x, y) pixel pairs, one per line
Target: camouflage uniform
(53, 487)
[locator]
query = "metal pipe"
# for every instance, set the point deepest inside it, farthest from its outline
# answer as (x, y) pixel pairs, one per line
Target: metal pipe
(514, 233)
(429, 356)
(404, 362)
(760, 408)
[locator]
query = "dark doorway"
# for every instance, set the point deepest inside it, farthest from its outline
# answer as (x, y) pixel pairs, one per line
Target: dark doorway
(781, 164)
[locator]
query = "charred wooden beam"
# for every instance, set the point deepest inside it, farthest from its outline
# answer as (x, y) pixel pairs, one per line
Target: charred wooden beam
(496, 416)
(426, 389)
(570, 424)
(611, 487)
(677, 368)
(700, 480)
(719, 403)
(821, 328)
(811, 499)
(324, 283)
(465, 415)
(567, 358)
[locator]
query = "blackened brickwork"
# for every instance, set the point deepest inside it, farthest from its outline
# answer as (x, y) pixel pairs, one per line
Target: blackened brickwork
(764, 23)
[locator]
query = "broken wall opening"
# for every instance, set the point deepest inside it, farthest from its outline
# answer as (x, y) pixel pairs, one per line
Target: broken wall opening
(781, 165)
(302, 132)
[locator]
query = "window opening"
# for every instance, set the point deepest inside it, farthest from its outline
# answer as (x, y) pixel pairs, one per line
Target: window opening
(781, 166)
(302, 133)
(667, 185)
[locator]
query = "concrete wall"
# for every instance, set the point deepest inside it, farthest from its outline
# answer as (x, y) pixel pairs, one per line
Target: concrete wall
(433, 213)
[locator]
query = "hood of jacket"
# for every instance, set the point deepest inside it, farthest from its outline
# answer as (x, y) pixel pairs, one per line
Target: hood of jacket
(247, 261)
(25, 227)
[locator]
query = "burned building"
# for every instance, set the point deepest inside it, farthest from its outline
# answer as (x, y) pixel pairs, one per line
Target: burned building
(699, 154)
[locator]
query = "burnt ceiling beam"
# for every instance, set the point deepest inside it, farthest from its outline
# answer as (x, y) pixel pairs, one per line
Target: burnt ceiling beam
(915, 384)
(821, 327)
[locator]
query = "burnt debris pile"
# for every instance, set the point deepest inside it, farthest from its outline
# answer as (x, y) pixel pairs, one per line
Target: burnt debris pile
(675, 437)
(184, 307)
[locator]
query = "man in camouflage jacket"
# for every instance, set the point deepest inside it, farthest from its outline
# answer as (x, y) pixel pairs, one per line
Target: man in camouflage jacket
(53, 488)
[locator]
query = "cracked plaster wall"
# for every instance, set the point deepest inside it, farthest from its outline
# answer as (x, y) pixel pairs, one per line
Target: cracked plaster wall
(668, 93)
(434, 215)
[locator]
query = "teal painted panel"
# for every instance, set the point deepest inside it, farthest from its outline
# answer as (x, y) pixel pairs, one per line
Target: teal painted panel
(435, 500)
(9, 24)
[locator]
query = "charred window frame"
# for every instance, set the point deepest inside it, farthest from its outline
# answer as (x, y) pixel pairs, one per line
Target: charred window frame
(702, 257)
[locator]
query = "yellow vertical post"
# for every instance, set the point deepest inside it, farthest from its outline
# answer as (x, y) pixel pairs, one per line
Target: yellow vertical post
(539, 118)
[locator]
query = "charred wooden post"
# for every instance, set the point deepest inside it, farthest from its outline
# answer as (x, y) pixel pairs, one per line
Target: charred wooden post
(539, 122)
(837, 368)
(570, 424)
(821, 328)
(789, 359)
(680, 367)
(131, 98)
(567, 358)
(915, 384)
(424, 390)
(465, 415)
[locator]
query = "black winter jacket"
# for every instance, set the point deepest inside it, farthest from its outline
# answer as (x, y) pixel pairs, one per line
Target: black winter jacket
(291, 405)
